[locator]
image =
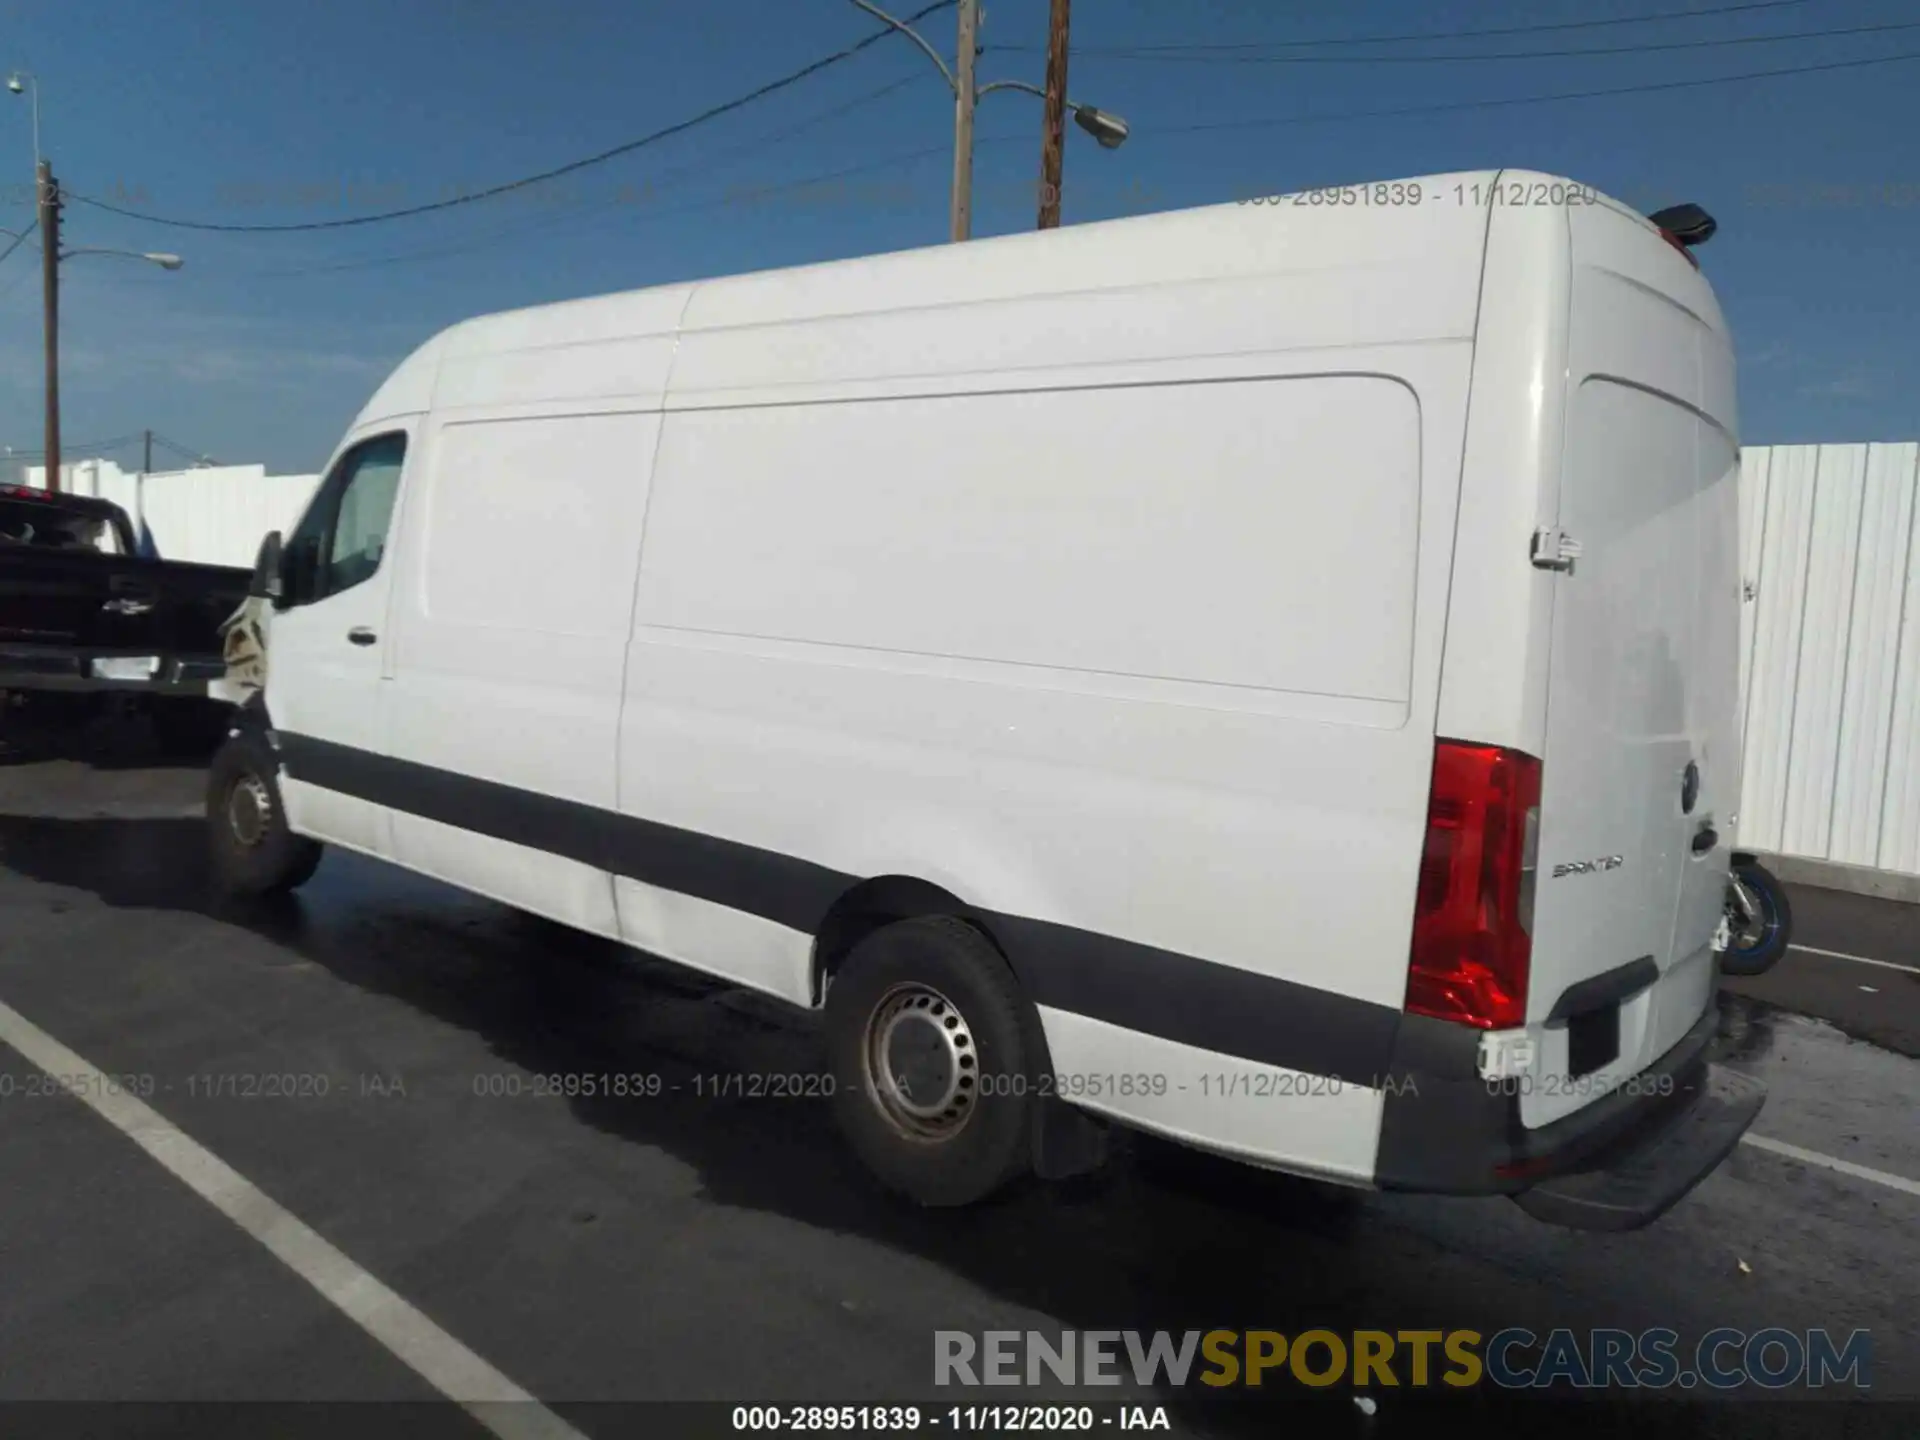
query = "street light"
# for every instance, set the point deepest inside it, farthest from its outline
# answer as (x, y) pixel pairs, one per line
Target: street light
(162, 258)
(158, 257)
(1107, 128)
(50, 226)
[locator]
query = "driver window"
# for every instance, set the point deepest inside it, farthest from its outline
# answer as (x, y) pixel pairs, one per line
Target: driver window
(366, 509)
(340, 540)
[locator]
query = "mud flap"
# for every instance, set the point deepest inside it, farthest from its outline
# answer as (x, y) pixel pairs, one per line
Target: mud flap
(1636, 1183)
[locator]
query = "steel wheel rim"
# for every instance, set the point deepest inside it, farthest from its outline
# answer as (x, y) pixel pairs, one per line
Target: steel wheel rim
(249, 808)
(921, 1062)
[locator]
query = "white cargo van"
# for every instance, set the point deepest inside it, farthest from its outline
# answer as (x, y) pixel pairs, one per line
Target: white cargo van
(1261, 674)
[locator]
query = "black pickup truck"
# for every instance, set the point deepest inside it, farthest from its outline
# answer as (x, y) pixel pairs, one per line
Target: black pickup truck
(87, 613)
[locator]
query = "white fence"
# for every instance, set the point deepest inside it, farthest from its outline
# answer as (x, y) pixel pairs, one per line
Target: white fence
(1830, 654)
(215, 515)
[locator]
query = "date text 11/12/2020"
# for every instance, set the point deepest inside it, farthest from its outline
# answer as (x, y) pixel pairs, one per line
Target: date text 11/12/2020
(1394, 194)
(206, 1085)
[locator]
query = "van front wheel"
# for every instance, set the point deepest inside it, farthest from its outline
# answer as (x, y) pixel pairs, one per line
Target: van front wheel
(252, 850)
(936, 1058)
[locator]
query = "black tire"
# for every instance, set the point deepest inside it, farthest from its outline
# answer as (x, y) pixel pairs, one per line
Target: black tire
(1761, 953)
(253, 852)
(931, 998)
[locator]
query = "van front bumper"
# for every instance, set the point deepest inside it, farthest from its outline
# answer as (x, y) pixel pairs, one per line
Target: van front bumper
(1616, 1164)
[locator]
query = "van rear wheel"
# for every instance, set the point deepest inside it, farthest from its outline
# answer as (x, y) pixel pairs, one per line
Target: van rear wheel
(936, 1057)
(252, 850)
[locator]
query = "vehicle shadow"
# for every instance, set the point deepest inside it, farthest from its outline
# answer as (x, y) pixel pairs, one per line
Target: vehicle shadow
(109, 743)
(1160, 1239)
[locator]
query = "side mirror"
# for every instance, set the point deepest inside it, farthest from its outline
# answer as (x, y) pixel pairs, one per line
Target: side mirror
(267, 582)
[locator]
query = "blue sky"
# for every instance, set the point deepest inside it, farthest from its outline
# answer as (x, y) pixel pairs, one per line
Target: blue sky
(263, 347)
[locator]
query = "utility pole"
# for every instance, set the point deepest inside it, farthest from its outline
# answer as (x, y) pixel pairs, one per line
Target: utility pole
(1107, 128)
(1053, 130)
(140, 489)
(963, 98)
(49, 196)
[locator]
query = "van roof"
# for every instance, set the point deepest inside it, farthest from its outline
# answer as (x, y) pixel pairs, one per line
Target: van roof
(1382, 226)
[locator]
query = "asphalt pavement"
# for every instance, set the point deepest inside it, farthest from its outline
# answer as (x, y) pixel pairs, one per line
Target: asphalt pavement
(1856, 963)
(389, 1204)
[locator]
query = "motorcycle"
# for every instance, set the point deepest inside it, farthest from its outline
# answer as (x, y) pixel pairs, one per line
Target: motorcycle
(1759, 919)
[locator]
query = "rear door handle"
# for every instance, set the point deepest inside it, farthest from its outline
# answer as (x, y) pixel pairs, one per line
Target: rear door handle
(361, 635)
(1705, 840)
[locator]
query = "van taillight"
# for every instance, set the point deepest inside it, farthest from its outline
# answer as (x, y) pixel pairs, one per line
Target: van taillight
(1473, 913)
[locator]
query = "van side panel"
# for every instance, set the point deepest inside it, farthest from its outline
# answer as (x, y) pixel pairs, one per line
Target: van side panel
(511, 634)
(1137, 663)
(1150, 533)
(944, 730)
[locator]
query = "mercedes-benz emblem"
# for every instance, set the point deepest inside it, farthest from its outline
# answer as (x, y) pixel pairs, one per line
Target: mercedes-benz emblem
(1689, 788)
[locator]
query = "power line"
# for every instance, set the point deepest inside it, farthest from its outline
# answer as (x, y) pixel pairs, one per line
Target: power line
(571, 167)
(68, 448)
(185, 451)
(542, 223)
(696, 207)
(20, 239)
(1154, 134)
(121, 442)
(1145, 134)
(1659, 15)
(1648, 47)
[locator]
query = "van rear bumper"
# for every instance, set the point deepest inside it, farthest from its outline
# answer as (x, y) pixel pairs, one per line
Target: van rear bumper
(1653, 1168)
(1615, 1164)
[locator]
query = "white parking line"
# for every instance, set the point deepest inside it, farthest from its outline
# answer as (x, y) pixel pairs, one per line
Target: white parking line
(1828, 1162)
(1857, 959)
(435, 1356)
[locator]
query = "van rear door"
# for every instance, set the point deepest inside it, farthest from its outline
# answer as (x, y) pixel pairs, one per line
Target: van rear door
(1641, 764)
